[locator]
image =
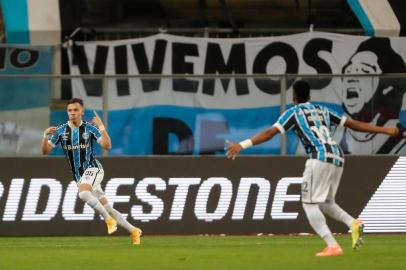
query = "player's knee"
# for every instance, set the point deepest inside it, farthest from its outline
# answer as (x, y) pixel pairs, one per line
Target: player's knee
(85, 195)
(103, 200)
(309, 206)
(327, 203)
(331, 202)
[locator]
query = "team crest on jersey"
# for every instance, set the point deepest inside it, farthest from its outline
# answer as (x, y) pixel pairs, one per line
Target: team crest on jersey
(85, 135)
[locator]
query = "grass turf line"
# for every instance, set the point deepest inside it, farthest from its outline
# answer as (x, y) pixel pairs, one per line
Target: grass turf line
(197, 252)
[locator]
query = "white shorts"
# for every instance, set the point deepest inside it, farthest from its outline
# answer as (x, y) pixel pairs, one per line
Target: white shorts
(320, 181)
(93, 177)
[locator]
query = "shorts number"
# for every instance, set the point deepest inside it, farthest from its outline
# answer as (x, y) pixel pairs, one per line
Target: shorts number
(323, 134)
(89, 173)
(305, 188)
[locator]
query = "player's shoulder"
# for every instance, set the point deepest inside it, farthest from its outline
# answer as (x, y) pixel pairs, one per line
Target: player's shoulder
(329, 110)
(299, 109)
(291, 110)
(87, 123)
(61, 127)
(288, 113)
(89, 126)
(320, 107)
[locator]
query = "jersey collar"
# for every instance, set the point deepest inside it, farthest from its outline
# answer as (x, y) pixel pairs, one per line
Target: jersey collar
(71, 126)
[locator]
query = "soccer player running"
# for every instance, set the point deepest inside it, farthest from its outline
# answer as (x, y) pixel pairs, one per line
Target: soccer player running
(312, 124)
(76, 138)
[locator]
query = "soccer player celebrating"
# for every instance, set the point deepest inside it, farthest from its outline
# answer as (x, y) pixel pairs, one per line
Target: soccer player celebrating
(321, 177)
(76, 138)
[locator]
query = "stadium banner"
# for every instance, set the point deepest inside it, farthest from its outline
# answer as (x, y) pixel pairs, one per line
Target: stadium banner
(26, 22)
(196, 115)
(24, 102)
(196, 195)
(380, 18)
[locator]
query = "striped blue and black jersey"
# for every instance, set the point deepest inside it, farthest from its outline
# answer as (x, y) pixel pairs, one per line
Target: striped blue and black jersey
(77, 144)
(313, 124)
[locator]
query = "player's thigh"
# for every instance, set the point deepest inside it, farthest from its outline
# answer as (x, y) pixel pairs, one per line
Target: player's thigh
(315, 186)
(97, 189)
(335, 179)
(99, 194)
(92, 177)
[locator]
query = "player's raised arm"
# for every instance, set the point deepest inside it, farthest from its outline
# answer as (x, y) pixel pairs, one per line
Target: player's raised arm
(105, 141)
(233, 149)
(45, 146)
(365, 127)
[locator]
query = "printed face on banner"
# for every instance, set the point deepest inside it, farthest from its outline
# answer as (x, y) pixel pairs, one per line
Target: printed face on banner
(378, 101)
(359, 90)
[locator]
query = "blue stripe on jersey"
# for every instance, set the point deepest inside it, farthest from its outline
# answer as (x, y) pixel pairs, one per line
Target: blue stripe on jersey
(335, 148)
(76, 152)
(286, 116)
(305, 127)
(327, 118)
(98, 164)
(77, 145)
(88, 149)
(318, 125)
(332, 146)
(313, 126)
(64, 145)
(96, 133)
(57, 135)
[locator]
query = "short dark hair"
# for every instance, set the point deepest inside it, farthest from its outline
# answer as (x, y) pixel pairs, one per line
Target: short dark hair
(388, 60)
(302, 91)
(75, 100)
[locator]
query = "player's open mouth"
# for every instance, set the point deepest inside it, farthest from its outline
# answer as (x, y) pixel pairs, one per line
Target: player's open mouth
(352, 93)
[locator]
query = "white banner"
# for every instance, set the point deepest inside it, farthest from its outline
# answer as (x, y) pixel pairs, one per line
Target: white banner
(24, 102)
(370, 99)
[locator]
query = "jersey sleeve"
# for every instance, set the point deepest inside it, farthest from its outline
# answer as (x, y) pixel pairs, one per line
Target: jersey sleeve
(336, 119)
(56, 137)
(286, 121)
(95, 132)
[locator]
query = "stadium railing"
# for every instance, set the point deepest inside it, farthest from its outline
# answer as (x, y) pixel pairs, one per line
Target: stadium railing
(30, 103)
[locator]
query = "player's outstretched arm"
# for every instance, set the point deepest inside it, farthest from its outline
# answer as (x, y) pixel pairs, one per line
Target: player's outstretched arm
(105, 142)
(45, 146)
(365, 127)
(233, 149)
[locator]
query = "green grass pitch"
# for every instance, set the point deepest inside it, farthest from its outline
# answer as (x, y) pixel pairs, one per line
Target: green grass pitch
(197, 252)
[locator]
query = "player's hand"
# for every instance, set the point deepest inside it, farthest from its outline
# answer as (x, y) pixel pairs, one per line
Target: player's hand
(50, 131)
(393, 131)
(232, 149)
(96, 120)
(400, 130)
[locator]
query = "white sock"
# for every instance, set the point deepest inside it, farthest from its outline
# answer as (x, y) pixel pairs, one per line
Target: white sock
(94, 203)
(119, 218)
(335, 211)
(318, 223)
(330, 240)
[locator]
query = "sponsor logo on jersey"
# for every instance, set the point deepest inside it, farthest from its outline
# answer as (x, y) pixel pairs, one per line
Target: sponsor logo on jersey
(75, 147)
